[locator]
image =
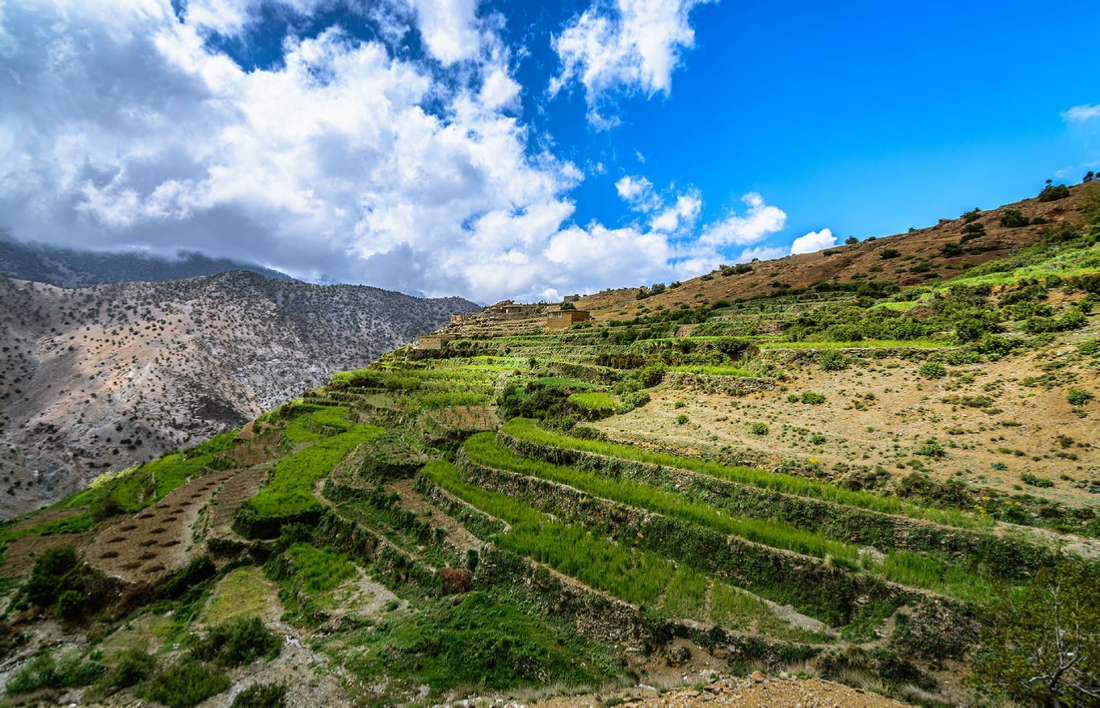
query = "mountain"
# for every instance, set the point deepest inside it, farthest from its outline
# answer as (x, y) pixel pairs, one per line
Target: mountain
(99, 378)
(805, 483)
(74, 268)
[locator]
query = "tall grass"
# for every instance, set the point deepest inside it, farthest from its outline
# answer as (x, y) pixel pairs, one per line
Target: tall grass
(593, 401)
(525, 429)
(712, 370)
(862, 344)
(633, 575)
(685, 595)
(291, 488)
(482, 449)
(321, 569)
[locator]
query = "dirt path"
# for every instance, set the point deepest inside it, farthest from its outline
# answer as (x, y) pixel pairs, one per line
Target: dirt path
(411, 500)
(156, 541)
(754, 691)
(235, 491)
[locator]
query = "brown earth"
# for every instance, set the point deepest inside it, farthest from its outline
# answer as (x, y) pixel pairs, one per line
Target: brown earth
(842, 262)
(158, 540)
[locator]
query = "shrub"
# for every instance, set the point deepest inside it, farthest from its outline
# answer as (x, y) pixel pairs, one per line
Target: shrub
(237, 642)
(261, 695)
(134, 666)
(851, 241)
(43, 672)
(1078, 397)
(832, 360)
(972, 231)
(46, 579)
(932, 449)
(814, 399)
(951, 250)
(1014, 219)
(932, 370)
(185, 684)
(971, 216)
(792, 397)
(888, 253)
(1053, 192)
(681, 419)
(1032, 480)
(758, 429)
(70, 605)
(817, 439)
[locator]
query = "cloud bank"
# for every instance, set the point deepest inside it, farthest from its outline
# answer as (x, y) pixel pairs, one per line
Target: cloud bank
(123, 125)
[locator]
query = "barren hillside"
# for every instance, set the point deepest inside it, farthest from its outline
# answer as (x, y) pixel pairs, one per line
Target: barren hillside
(100, 378)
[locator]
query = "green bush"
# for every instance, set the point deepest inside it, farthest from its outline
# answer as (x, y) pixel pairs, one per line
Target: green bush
(681, 419)
(1014, 219)
(813, 399)
(70, 605)
(951, 250)
(1034, 481)
(758, 429)
(932, 370)
(43, 672)
(47, 578)
(833, 360)
(817, 439)
(134, 666)
(932, 449)
(184, 684)
(1053, 192)
(888, 253)
(1078, 397)
(237, 642)
(262, 695)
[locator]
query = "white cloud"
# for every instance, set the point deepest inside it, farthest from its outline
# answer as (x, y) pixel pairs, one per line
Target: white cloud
(448, 28)
(813, 241)
(759, 222)
(327, 166)
(632, 45)
(680, 214)
(1081, 114)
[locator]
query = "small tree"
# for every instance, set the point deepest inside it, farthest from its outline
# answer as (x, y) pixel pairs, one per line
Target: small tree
(1089, 176)
(1041, 645)
(851, 240)
(1014, 218)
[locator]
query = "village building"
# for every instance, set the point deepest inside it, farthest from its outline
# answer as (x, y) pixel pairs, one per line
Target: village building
(433, 341)
(563, 319)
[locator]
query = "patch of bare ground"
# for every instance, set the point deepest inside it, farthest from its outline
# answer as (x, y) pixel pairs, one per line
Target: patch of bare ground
(156, 541)
(878, 414)
(756, 690)
(457, 535)
(237, 489)
(20, 554)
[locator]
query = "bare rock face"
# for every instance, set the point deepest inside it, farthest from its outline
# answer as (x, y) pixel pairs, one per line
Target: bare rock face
(100, 378)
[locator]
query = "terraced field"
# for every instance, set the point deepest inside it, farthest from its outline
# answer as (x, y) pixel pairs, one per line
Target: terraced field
(842, 481)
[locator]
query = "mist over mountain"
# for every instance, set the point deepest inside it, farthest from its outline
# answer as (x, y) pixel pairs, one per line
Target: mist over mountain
(74, 268)
(102, 377)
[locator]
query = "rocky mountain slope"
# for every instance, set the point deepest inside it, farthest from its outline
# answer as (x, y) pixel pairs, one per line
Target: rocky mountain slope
(100, 378)
(74, 268)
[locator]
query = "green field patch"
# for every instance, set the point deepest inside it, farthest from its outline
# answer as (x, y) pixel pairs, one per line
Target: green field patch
(593, 401)
(321, 569)
(525, 429)
(861, 344)
(712, 370)
(685, 595)
(243, 593)
(482, 450)
(290, 490)
(565, 382)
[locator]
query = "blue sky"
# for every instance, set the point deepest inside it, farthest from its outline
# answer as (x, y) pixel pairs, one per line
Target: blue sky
(501, 149)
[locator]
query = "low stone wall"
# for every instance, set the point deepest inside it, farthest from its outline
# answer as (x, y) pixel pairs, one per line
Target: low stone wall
(707, 383)
(1006, 556)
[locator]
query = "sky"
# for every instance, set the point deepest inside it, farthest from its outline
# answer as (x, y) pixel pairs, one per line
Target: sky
(501, 149)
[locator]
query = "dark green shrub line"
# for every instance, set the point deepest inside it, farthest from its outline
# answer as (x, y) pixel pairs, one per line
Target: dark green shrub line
(527, 431)
(1008, 556)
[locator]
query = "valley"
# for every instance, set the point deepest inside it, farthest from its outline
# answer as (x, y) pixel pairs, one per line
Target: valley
(818, 481)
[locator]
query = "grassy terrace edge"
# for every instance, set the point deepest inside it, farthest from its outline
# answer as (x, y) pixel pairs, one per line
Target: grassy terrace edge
(525, 429)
